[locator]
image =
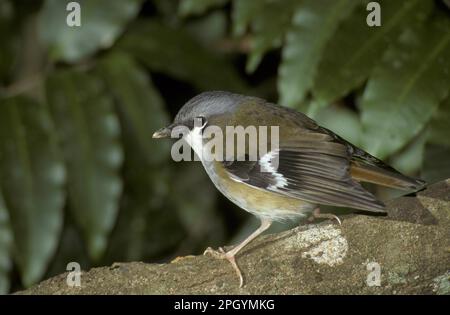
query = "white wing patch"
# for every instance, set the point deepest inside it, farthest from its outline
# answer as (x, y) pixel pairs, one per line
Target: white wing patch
(267, 165)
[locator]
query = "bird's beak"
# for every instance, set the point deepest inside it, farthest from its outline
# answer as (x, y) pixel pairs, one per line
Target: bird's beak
(162, 133)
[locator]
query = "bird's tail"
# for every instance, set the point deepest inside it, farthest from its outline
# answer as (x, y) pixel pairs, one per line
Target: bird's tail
(385, 176)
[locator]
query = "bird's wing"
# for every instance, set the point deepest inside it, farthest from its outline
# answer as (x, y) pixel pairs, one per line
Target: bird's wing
(313, 168)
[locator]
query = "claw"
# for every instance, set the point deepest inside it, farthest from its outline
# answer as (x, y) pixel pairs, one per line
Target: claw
(207, 251)
(317, 215)
(215, 253)
(221, 254)
(337, 219)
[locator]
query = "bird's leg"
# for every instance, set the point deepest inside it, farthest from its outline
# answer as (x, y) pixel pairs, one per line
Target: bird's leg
(317, 215)
(230, 255)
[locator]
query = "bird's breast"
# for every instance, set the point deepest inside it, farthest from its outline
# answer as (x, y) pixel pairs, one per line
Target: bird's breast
(259, 202)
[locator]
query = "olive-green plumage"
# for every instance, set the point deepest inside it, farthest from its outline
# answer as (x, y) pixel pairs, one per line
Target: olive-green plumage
(314, 165)
(321, 167)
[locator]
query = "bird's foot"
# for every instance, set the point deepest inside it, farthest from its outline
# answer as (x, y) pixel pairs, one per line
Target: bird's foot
(222, 254)
(317, 215)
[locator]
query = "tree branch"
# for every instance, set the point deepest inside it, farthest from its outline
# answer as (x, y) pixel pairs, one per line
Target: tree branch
(413, 255)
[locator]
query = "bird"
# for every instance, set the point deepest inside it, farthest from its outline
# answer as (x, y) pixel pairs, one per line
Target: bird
(314, 166)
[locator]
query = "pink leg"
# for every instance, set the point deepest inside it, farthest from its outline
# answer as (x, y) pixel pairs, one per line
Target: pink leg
(230, 255)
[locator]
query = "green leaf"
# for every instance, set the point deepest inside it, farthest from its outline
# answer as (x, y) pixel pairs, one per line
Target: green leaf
(88, 133)
(209, 29)
(32, 178)
(342, 121)
(356, 48)
(158, 47)
(314, 23)
(102, 21)
(436, 163)
(406, 88)
(440, 125)
(139, 102)
(196, 206)
(144, 218)
(71, 248)
(269, 22)
(198, 7)
(147, 226)
(410, 159)
(6, 240)
(243, 13)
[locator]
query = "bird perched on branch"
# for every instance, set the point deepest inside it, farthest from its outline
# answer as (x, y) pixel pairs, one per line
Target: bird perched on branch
(309, 166)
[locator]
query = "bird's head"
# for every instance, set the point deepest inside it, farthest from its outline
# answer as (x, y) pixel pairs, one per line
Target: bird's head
(200, 109)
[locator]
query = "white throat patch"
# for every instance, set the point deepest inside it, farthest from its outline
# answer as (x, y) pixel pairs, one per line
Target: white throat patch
(195, 140)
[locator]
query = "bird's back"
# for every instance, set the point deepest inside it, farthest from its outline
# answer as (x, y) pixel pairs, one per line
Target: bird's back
(318, 165)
